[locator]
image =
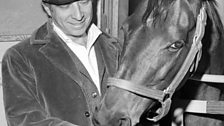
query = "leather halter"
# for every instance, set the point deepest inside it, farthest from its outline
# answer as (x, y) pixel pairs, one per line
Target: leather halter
(164, 97)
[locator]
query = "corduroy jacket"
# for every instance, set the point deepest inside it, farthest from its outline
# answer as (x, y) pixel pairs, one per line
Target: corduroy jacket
(45, 84)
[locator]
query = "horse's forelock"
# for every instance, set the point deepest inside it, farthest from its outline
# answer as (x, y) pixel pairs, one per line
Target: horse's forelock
(156, 7)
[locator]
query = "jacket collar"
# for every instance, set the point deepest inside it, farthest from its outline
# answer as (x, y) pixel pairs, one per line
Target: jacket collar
(42, 35)
(54, 49)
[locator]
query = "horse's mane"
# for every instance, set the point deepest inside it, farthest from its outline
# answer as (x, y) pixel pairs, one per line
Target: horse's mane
(214, 16)
(213, 40)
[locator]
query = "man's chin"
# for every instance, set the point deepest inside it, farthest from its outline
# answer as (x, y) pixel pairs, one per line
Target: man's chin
(78, 35)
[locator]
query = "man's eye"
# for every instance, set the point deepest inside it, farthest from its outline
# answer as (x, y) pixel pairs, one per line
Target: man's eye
(84, 1)
(64, 6)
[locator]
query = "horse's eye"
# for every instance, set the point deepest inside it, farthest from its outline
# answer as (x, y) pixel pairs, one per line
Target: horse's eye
(175, 46)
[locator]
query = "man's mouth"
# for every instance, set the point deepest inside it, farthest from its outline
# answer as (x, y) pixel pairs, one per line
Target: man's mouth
(78, 24)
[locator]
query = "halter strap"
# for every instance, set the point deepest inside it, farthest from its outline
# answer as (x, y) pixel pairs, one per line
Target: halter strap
(161, 96)
(195, 52)
(137, 89)
(164, 97)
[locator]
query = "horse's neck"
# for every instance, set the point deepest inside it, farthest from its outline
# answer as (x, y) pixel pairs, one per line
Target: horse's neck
(212, 61)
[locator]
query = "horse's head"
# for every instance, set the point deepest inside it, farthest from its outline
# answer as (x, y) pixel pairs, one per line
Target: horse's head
(158, 37)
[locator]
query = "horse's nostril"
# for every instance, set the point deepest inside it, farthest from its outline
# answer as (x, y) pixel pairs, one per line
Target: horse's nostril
(95, 122)
(96, 109)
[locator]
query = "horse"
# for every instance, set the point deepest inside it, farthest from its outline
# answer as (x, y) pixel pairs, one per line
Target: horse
(161, 50)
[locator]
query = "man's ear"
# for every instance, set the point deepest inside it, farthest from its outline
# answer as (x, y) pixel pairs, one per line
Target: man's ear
(47, 9)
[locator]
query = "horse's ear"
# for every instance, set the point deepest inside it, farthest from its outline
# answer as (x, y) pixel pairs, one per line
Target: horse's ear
(125, 27)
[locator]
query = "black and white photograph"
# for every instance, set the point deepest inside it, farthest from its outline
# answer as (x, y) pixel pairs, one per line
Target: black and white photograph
(112, 63)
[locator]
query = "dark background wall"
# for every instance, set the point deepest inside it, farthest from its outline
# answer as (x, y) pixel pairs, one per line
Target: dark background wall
(132, 5)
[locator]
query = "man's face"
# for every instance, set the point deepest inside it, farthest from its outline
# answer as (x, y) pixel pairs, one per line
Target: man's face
(74, 18)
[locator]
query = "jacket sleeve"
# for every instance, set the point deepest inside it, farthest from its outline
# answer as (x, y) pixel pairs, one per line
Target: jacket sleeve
(22, 106)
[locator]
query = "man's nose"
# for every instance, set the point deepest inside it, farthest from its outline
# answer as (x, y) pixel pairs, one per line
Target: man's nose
(77, 11)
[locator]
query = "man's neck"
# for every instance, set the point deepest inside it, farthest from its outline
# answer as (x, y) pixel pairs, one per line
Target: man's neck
(81, 40)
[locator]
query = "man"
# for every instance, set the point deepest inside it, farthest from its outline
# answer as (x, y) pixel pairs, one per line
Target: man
(57, 76)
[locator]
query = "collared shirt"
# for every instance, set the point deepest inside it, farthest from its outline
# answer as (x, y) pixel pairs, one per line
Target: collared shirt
(86, 54)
